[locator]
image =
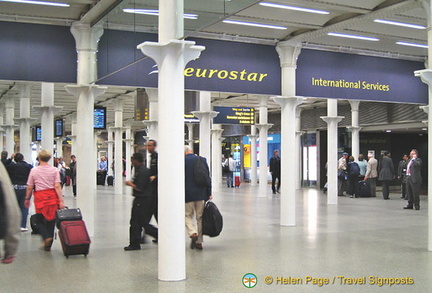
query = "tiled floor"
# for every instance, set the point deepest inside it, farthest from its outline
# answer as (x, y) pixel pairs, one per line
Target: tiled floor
(357, 238)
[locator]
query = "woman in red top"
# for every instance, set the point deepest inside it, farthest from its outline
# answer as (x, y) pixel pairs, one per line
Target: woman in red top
(45, 180)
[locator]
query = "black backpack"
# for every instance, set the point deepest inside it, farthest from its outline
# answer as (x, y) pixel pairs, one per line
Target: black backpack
(201, 173)
(212, 220)
(354, 169)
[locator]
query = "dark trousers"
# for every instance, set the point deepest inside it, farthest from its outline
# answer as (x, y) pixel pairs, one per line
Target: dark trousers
(155, 200)
(413, 192)
(404, 188)
(274, 177)
(74, 189)
(45, 227)
(372, 184)
(21, 194)
(230, 176)
(386, 188)
(353, 186)
(140, 218)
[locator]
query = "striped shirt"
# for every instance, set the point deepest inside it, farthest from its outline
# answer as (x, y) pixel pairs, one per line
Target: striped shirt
(43, 177)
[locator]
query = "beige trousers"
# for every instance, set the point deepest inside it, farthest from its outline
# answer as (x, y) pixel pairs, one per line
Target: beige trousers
(198, 208)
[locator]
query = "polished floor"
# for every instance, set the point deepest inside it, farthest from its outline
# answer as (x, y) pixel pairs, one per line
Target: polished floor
(362, 239)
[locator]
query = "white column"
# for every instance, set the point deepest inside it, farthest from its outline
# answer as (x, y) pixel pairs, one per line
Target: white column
(205, 115)
(298, 150)
(216, 166)
(332, 121)
(171, 56)
(253, 156)
(288, 54)
(73, 118)
(2, 129)
(128, 151)
(152, 123)
(355, 129)
(190, 140)
(47, 111)
(24, 122)
(118, 146)
(9, 125)
(86, 39)
(263, 128)
(110, 157)
(59, 147)
(288, 173)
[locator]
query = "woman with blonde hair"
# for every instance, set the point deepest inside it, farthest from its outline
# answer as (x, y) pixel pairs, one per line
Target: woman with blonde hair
(45, 180)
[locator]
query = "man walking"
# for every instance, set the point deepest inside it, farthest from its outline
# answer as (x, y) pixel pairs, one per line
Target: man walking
(141, 207)
(195, 195)
(275, 170)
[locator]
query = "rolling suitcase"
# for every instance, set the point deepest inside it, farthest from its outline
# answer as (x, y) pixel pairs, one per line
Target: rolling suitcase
(364, 189)
(110, 180)
(100, 178)
(67, 215)
(237, 181)
(74, 238)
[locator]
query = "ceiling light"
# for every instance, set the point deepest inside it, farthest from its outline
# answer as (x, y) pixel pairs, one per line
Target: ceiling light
(155, 12)
(254, 24)
(404, 24)
(38, 2)
(274, 5)
(388, 131)
(412, 45)
(353, 37)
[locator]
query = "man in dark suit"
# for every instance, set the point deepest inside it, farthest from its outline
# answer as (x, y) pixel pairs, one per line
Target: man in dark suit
(413, 175)
(275, 170)
(386, 174)
(195, 196)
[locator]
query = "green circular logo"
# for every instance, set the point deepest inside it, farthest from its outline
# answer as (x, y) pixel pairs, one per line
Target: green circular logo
(249, 280)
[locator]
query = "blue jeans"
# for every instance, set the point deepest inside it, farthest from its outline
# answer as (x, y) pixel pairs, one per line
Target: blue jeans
(230, 177)
(21, 194)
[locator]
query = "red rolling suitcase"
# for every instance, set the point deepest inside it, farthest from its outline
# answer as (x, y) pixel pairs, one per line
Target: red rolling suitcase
(237, 181)
(74, 238)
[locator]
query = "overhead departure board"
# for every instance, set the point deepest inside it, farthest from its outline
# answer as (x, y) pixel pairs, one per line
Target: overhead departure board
(234, 115)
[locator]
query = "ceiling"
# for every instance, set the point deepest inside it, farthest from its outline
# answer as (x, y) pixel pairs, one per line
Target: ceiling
(345, 16)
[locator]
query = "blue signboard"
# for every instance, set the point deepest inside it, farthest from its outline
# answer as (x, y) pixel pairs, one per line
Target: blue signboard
(234, 115)
(222, 67)
(37, 52)
(348, 76)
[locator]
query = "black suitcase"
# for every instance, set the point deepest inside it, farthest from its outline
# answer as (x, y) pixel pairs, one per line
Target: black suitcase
(364, 189)
(100, 178)
(74, 238)
(110, 180)
(33, 220)
(67, 215)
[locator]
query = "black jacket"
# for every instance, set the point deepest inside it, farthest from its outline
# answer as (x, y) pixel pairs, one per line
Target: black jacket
(19, 172)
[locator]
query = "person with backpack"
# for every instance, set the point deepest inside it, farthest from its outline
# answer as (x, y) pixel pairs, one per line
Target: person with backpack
(197, 192)
(353, 177)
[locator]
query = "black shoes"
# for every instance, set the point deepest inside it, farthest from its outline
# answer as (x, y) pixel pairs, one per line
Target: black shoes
(408, 208)
(194, 239)
(131, 247)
